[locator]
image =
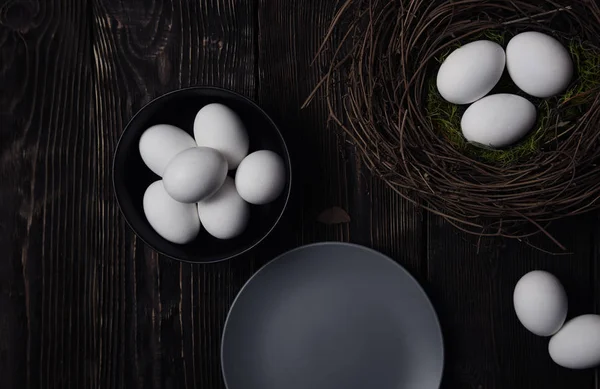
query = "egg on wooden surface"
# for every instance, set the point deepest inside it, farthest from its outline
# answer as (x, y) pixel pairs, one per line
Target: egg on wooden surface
(225, 214)
(160, 143)
(260, 178)
(538, 64)
(498, 120)
(219, 127)
(471, 72)
(577, 344)
(195, 174)
(540, 302)
(176, 222)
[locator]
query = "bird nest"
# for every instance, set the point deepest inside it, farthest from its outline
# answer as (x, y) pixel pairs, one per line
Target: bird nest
(385, 55)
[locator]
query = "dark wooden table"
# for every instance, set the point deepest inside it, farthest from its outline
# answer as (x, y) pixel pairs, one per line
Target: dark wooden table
(85, 304)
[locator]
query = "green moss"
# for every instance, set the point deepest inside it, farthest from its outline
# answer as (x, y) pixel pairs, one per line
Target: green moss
(493, 35)
(587, 64)
(564, 109)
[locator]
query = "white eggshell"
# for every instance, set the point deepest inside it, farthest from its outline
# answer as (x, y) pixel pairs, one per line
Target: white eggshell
(195, 174)
(538, 64)
(471, 71)
(577, 344)
(225, 214)
(540, 302)
(160, 143)
(260, 178)
(498, 120)
(219, 127)
(174, 221)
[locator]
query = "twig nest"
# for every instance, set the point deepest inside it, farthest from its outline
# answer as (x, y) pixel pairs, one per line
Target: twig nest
(386, 55)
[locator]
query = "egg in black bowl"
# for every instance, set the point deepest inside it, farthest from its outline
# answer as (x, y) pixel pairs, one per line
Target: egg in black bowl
(131, 176)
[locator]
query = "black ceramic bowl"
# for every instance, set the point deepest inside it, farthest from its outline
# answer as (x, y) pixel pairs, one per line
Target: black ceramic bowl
(131, 176)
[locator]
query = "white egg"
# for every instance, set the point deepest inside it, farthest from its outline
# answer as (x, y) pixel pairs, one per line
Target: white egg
(471, 71)
(225, 214)
(260, 178)
(498, 120)
(160, 143)
(539, 64)
(219, 127)
(540, 302)
(195, 174)
(577, 344)
(176, 222)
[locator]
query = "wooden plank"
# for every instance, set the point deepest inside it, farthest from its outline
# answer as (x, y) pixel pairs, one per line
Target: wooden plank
(289, 38)
(486, 346)
(86, 304)
(47, 184)
(327, 172)
(163, 318)
(596, 272)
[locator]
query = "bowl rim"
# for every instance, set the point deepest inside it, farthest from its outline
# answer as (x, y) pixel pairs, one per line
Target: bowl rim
(255, 106)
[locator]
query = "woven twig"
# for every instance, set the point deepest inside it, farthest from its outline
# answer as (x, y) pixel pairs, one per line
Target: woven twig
(383, 53)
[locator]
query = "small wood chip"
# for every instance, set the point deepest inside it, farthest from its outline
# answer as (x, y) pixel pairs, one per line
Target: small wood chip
(334, 215)
(563, 124)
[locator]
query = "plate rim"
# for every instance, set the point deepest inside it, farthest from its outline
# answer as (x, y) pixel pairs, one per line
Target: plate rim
(344, 244)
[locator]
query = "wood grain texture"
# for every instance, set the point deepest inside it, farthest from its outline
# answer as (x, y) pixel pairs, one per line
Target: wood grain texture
(285, 79)
(170, 314)
(328, 174)
(85, 304)
(47, 214)
(487, 347)
(595, 264)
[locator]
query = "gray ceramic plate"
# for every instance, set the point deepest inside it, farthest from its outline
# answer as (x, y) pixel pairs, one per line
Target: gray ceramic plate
(332, 316)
